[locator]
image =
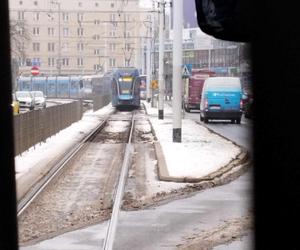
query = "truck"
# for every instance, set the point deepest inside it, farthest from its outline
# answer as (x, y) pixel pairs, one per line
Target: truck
(193, 86)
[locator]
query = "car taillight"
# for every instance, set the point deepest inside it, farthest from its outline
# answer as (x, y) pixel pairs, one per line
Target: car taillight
(206, 103)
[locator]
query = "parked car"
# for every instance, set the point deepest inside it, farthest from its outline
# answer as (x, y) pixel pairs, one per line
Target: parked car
(39, 99)
(15, 105)
(25, 99)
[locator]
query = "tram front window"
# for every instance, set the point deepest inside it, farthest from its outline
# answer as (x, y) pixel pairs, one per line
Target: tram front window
(125, 86)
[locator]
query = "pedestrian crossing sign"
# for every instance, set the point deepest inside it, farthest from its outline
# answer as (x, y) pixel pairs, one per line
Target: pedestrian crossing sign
(185, 71)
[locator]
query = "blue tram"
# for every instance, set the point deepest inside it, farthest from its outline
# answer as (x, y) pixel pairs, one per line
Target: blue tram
(125, 88)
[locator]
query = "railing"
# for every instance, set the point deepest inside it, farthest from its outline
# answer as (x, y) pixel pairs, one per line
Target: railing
(36, 126)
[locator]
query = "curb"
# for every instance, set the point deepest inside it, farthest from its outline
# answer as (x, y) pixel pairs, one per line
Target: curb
(223, 175)
(235, 167)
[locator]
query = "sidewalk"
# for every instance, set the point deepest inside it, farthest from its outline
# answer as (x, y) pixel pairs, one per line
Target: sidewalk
(201, 156)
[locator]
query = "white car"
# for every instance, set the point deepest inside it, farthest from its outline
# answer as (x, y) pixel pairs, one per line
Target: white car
(39, 99)
(25, 99)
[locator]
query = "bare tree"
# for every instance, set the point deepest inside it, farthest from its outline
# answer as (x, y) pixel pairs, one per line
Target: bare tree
(19, 36)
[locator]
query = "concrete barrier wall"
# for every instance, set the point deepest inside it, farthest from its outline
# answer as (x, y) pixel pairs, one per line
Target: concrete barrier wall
(36, 126)
(99, 101)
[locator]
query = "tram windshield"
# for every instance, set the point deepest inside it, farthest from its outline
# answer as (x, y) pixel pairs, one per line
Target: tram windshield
(125, 85)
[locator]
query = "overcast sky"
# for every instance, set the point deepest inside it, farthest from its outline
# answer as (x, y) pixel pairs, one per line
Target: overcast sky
(146, 3)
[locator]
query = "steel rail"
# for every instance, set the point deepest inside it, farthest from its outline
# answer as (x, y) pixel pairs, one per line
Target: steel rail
(112, 226)
(56, 169)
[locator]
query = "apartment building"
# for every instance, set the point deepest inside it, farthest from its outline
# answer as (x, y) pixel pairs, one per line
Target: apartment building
(77, 37)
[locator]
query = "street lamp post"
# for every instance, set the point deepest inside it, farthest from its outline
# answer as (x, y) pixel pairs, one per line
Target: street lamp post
(161, 86)
(59, 38)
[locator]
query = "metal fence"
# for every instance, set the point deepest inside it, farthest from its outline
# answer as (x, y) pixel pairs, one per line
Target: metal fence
(36, 126)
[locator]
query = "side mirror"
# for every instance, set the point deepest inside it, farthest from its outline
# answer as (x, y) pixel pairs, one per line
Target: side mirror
(226, 19)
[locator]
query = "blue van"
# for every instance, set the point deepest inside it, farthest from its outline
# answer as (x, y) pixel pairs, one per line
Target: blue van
(221, 99)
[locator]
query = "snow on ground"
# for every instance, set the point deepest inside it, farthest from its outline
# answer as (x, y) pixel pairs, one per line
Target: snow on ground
(200, 153)
(116, 126)
(43, 152)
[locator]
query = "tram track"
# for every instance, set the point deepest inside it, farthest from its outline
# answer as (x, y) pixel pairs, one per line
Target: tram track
(65, 198)
(119, 192)
(55, 170)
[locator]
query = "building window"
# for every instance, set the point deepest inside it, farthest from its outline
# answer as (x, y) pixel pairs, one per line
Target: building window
(51, 62)
(127, 63)
(112, 62)
(65, 61)
(80, 61)
(97, 67)
(51, 47)
(127, 46)
(21, 31)
(80, 4)
(96, 37)
(112, 46)
(36, 31)
(80, 31)
(79, 17)
(20, 15)
(21, 2)
(36, 46)
(127, 34)
(22, 62)
(66, 32)
(36, 62)
(36, 16)
(112, 33)
(112, 17)
(35, 3)
(97, 22)
(65, 47)
(65, 16)
(97, 51)
(96, 4)
(112, 5)
(51, 31)
(80, 46)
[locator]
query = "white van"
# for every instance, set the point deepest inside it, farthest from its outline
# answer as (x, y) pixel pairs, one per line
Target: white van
(221, 99)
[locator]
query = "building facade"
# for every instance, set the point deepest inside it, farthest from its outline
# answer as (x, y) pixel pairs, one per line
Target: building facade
(76, 37)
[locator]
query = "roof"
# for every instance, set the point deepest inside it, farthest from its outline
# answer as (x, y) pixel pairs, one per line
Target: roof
(222, 82)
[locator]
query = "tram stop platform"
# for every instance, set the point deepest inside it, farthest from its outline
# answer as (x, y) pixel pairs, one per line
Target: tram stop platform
(202, 156)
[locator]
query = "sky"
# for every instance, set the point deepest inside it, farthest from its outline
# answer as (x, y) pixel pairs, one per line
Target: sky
(146, 3)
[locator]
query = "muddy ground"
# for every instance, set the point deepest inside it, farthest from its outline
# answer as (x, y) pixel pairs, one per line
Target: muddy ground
(83, 194)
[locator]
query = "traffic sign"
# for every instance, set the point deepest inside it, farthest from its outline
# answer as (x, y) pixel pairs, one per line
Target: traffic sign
(185, 71)
(35, 71)
(154, 84)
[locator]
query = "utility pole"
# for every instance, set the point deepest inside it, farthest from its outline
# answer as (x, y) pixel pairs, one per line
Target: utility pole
(161, 83)
(177, 71)
(59, 38)
(148, 56)
(153, 38)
